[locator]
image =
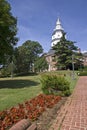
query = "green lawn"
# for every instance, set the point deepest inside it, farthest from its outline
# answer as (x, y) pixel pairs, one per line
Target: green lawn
(19, 89)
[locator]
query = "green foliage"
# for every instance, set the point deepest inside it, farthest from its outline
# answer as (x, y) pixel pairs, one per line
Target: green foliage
(64, 50)
(41, 64)
(25, 74)
(78, 61)
(55, 84)
(7, 70)
(4, 73)
(83, 73)
(26, 55)
(85, 68)
(67, 92)
(8, 30)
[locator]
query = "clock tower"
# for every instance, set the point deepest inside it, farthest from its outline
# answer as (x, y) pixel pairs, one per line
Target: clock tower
(57, 33)
(56, 36)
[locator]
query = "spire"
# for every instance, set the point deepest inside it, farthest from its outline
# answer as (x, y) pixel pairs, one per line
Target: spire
(58, 22)
(58, 25)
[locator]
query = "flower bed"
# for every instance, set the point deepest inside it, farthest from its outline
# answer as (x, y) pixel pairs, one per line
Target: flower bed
(31, 109)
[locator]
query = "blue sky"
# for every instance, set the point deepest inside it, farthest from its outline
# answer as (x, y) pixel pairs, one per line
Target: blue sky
(37, 19)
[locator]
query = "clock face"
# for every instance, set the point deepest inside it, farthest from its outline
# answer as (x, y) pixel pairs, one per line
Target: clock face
(59, 35)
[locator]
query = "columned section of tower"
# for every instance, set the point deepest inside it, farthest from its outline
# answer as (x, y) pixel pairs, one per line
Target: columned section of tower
(57, 33)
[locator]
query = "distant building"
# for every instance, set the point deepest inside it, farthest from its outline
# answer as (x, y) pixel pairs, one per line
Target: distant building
(56, 36)
(50, 57)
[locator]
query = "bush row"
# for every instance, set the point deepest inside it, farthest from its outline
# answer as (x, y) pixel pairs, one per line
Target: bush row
(84, 73)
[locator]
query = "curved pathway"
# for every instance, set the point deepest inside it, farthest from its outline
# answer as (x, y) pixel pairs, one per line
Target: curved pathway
(73, 115)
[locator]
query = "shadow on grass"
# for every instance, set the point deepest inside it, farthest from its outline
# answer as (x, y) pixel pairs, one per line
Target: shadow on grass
(17, 83)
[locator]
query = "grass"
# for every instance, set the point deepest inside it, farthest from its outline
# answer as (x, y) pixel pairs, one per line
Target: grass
(19, 89)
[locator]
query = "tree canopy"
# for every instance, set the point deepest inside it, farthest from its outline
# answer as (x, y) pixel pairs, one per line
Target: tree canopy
(8, 30)
(26, 55)
(41, 64)
(64, 51)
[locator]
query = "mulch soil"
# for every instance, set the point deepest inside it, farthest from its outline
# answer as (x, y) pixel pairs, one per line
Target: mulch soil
(46, 119)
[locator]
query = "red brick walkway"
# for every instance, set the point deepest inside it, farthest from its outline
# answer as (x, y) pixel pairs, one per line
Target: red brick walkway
(73, 115)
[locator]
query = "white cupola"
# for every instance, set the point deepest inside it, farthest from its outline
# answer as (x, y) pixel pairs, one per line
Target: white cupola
(57, 33)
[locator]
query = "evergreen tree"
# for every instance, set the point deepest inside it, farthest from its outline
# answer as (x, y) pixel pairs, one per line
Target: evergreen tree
(64, 51)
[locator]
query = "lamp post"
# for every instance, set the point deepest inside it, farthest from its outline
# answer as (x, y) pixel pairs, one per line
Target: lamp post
(73, 75)
(12, 67)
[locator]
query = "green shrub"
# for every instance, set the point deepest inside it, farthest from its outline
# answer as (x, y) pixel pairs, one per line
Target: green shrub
(26, 74)
(85, 68)
(4, 73)
(84, 73)
(67, 92)
(53, 84)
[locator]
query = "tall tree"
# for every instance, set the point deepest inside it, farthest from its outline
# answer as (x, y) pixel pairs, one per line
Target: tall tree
(41, 64)
(8, 30)
(64, 51)
(27, 54)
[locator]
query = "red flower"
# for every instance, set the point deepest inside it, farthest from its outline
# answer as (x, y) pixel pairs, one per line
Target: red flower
(30, 109)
